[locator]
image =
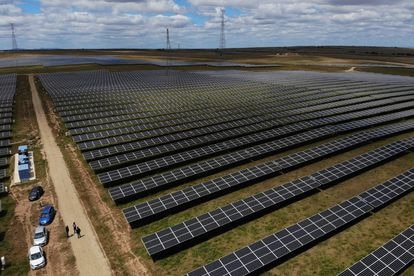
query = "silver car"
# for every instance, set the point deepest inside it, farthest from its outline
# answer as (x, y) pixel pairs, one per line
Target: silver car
(36, 257)
(40, 236)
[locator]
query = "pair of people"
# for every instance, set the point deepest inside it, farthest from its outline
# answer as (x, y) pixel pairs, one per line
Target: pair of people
(76, 230)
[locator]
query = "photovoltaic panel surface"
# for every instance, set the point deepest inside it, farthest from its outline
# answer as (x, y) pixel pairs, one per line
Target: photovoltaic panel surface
(164, 241)
(274, 248)
(167, 204)
(390, 259)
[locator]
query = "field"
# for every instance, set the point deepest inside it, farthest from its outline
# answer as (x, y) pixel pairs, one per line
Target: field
(397, 61)
(190, 164)
(170, 146)
(20, 216)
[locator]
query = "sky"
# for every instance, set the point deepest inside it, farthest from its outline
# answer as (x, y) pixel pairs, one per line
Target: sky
(196, 23)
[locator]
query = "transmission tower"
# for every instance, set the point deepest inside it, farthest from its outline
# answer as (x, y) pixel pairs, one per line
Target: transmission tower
(14, 41)
(168, 40)
(222, 37)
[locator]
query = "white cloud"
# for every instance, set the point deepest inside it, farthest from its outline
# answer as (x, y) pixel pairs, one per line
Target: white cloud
(142, 23)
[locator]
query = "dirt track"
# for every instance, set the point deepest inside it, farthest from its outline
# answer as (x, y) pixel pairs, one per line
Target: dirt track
(90, 258)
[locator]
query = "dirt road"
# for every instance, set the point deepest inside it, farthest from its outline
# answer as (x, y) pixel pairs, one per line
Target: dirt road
(90, 258)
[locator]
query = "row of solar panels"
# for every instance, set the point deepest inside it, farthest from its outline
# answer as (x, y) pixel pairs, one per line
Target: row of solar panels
(8, 84)
(141, 187)
(261, 94)
(315, 95)
(154, 209)
(7, 87)
(252, 107)
(308, 95)
(277, 247)
(302, 126)
(233, 214)
(247, 135)
(64, 92)
(230, 101)
(256, 114)
(132, 116)
(141, 169)
(390, 259)
(113, 93)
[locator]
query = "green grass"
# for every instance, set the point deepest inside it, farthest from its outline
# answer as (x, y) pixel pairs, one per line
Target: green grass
(389, 71)
(17, 263)
(326, 258)
(13, 249)
(310, 263)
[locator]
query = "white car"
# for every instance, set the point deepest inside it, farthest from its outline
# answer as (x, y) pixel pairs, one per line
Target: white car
(36, 257)
(40, 236)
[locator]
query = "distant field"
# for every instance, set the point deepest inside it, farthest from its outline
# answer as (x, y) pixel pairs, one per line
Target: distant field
(169, 146)
(327, 59)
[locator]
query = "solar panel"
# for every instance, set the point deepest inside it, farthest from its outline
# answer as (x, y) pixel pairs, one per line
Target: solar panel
(280, 118)
(138, 170)
(278, 246)
(390, 259)
(5, 143)
(5, 151)
(3, 173)
(135, 132)
(4, 161)
(7, 93)
(190, 231)
(105, 120)
(142, 169)
(254, 257)
(134, 156)
(121, 159)
(167, 204)
(127, 192)
(306, 95)
(389, 190)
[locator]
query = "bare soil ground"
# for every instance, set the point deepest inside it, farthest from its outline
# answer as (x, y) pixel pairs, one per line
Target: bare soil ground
(114, 233)
(90, 258)
(326, 59)
(25, 214)
(58, 252)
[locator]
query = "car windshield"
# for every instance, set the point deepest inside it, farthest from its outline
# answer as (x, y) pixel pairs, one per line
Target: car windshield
(38, 235)
(35, 256)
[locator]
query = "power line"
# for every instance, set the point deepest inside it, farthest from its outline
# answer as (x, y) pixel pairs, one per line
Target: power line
(222, 44)
(14, 41)
(168, 40)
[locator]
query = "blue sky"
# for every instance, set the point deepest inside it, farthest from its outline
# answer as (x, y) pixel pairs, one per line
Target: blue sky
(196, 23)
(29, 6)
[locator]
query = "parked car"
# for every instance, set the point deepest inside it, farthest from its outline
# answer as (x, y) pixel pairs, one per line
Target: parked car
(47, 215)
(36, 257)
(40, 236)
(35, 193)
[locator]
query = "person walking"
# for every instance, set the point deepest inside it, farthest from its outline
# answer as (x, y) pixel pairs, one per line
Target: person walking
(74, 228)
(67, 231)
(78, 231)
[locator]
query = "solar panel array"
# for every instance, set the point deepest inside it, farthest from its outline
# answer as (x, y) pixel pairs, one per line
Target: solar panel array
(167, 204)
(190, 231)
(248, 139)
(390, 259)
(7, 94)
(146, 131)
(268, 251)
(266, 120)
(137, 188)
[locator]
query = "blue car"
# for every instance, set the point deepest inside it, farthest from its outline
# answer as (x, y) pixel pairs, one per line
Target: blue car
(47, 215)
